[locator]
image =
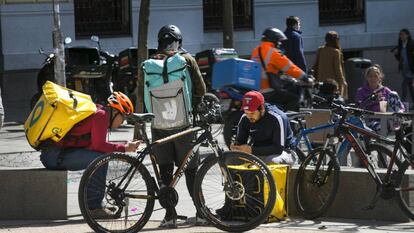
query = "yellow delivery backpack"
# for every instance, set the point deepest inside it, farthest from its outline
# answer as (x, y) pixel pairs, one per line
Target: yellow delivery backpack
(237, 209)
(55, 113)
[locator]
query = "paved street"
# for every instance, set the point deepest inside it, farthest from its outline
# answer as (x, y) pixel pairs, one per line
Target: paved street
(15, 151)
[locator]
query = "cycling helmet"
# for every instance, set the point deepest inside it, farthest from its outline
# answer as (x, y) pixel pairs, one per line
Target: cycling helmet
(273, 35)
(121, 102)
(169, 32)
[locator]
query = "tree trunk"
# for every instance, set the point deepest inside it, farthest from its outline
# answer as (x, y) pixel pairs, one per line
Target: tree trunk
(141, 56)
(228, 24)
(59, 60)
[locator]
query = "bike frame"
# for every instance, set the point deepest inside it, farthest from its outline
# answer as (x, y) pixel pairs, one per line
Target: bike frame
(205, 135)
(344, 147)
(347, 129)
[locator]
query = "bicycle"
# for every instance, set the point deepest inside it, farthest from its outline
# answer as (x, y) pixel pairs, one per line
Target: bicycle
(130, 190)
(317, 180)
(301, 135)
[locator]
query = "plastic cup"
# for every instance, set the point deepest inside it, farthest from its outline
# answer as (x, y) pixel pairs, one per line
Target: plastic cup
(383, 106)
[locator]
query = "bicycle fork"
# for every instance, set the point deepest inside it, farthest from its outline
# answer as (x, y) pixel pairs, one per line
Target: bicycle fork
(321, 160)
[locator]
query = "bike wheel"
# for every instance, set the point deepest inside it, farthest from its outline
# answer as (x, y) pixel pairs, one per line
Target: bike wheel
(405, 189)
(316, 183)
(212, 192)
(129, 207)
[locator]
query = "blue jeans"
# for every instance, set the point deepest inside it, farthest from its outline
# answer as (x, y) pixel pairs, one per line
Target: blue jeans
(74, 159)
(407, 83)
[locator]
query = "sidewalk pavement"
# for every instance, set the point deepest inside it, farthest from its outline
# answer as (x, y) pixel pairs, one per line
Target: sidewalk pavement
(16, 152)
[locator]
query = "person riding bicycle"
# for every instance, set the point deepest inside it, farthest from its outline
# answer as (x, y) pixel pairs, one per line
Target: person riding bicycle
(268, 128)
(273, 64)
(87, 140)
(168, 154)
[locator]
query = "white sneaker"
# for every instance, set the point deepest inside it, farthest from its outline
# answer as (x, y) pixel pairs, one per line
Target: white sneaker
(171, 223)
(200, 221)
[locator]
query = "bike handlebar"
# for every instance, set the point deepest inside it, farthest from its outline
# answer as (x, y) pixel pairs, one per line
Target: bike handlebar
(206, 113)
(342, 109)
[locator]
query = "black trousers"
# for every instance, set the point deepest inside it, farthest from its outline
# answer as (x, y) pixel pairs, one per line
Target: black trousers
(284, 99)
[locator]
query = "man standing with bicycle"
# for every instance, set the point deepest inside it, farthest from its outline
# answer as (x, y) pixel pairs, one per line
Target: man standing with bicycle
(168, 154)
(268, 128)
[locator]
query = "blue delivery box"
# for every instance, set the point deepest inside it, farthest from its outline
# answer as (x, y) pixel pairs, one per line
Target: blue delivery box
(236, 72)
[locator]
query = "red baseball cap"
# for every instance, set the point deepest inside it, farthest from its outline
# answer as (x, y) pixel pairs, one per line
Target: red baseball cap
(252, 100)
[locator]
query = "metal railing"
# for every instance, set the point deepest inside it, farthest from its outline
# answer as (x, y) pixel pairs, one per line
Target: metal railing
(102, 17)
(213, 14)
(341, 11)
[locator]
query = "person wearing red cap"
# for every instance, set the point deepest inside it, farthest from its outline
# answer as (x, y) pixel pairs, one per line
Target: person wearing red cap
(268, 128)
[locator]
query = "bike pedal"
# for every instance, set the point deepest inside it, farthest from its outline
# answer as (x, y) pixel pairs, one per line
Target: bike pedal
(181, 217)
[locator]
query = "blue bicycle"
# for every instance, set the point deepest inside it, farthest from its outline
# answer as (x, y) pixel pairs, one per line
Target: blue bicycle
(377, 152)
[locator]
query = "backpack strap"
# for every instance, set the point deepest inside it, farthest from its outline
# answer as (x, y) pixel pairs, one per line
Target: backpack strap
(75, 101)
(264, 65)
(274, 79)
(261, 59)
(165, 71)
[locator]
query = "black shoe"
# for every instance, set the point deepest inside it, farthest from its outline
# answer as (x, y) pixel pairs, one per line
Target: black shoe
(224, 213)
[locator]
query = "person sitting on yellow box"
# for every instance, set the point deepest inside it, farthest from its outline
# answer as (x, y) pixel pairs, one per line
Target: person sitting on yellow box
(268, 128)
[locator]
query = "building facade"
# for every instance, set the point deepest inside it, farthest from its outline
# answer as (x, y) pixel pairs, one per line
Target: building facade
(367, 28)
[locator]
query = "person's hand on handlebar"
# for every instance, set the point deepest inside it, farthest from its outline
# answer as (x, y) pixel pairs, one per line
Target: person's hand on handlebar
(132, 146)
(308, 79)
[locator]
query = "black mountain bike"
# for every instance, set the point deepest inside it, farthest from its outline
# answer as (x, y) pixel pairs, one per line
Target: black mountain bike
(317, 180)
(129, 191)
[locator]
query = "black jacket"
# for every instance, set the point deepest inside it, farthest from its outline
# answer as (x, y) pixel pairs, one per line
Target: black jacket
(269, 136)
(293, 48)
(410, 55)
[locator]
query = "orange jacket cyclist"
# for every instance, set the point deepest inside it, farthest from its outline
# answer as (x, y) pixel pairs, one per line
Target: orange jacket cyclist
(273, 63)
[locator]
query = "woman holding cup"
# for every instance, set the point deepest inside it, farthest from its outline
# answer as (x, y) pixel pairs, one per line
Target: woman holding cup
(375, 97)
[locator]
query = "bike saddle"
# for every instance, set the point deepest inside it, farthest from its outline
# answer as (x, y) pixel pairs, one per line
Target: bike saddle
(296, 115)
(140, 117)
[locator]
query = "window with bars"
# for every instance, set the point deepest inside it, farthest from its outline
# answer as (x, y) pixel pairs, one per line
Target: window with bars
(29, 1)
(102, 17)
(341, 11)
(213, 14)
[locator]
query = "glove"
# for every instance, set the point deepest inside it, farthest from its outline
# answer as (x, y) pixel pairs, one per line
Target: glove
(197, 101)
(308, 79)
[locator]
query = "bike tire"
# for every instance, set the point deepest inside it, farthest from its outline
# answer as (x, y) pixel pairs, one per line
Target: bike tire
(311, 183)
(130, 214)
(211, 99)
(210, 192)
(404, 189)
